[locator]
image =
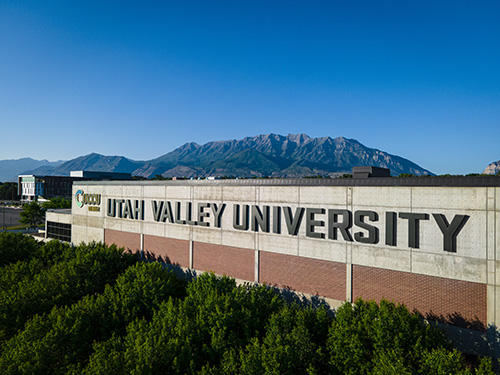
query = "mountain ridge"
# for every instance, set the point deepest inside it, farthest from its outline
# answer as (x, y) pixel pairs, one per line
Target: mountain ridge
(264, 155)
(337, 155)
(11, 168)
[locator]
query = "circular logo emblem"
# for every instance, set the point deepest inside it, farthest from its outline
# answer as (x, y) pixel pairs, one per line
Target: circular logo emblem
(79, 198)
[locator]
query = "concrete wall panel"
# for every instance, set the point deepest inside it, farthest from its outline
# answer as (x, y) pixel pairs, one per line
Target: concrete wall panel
(278, 195)
(497, 235)
(177, 231)
(399, 198)
(80, 220)
(178, 193)
(318, 249)
(112, 191)
(243, 194)
(95, 222)
(449, 266)
(453, 198)
(131, 226)
(470, 240)
(78, 234)
(154, 229)
(322, 195)
(58, 217)
(241, 239)
(132, 192)
(148, 208)
(113, 223)
(157, 192)
(208, 194)
(207, 235)
(94, 234)
(278, 244)
(393, 259)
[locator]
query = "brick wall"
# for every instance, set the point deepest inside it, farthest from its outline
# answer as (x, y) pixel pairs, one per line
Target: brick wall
(130, 241)
(456, 302)
(168, 250)
(224, 260)
(306, 275)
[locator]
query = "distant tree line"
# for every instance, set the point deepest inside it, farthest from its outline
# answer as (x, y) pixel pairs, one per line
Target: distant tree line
(8, 191)
(94, 309)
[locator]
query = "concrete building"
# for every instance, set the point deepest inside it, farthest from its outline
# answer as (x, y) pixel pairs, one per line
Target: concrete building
(431, 243)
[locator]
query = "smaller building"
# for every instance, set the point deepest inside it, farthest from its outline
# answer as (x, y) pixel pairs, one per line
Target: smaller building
(100, 176)
(366, 172)
(34, 188)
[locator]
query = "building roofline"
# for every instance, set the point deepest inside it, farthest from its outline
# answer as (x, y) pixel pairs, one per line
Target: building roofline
(481, 181)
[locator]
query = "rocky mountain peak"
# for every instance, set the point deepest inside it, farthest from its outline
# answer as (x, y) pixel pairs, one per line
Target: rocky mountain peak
(492, 168)
(298, 138)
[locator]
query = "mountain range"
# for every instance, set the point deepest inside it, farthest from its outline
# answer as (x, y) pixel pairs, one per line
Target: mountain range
(11, 168)
(273, 155)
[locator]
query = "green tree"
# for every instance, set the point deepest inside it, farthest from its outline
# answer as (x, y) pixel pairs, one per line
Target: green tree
(159, 177)
(443, 362)
(192, 335)
(8, 191)
(485, 366)
(32, 214)
(62, 340)
(365, 335)
(15, 247)
(90, 269)
(56, 203)
(94, 309)
(294, 344)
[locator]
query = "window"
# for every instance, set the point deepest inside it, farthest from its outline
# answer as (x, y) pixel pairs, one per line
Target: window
(59, 231)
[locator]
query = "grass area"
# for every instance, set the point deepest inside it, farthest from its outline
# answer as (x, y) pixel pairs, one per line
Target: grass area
(21, 227)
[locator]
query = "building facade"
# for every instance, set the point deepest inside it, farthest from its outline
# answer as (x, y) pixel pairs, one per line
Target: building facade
(34, 187)
(430, 243)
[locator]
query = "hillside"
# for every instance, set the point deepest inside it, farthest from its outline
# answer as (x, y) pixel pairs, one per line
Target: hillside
(270, 155)
(296, 155)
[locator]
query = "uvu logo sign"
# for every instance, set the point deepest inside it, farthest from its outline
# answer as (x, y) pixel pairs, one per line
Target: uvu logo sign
(93, 201)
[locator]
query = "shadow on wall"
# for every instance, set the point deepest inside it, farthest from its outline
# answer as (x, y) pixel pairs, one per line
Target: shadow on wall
(467, 333)
(185, 273)
(286, 292)
(456, 320)
(149, 256)
(290, 295)
(469, 336)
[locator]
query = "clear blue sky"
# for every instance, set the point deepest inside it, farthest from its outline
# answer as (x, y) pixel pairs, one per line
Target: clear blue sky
(419, 79)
